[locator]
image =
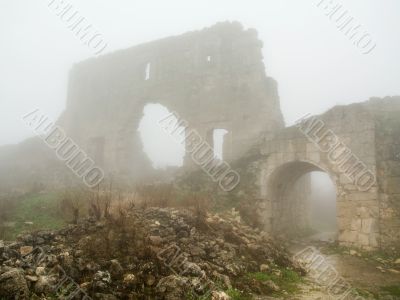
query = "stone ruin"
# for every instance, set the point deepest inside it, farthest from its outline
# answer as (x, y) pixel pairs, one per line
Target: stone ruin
(358, 147)
(207, 77)
(215, 79)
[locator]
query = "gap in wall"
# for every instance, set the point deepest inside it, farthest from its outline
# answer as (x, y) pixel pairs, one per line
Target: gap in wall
(163, 149)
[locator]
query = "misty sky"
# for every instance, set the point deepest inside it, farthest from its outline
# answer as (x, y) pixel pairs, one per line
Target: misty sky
(315, 65)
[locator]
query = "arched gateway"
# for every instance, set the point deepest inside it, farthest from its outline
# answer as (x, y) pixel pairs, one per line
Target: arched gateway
(340, 143)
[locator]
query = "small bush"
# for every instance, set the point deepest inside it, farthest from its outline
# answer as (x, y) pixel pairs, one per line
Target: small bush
(160, 195)
(73, 204)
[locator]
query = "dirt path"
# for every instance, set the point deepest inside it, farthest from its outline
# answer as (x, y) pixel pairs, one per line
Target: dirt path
(368, 277)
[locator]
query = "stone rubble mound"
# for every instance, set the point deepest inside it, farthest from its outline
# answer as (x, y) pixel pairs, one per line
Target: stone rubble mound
(152, 253)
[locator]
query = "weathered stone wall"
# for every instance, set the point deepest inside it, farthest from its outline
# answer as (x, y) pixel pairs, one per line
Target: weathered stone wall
(291, 155)
(387, 114)
(367, 218)
(214, 79)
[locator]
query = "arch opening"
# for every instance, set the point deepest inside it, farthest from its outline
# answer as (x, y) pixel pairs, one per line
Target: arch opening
(162, 148)
(303, 201)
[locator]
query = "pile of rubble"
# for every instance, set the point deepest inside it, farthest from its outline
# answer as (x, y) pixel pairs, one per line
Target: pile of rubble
(153, 253)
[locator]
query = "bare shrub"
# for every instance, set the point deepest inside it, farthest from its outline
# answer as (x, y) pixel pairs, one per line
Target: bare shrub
(73, 204)
(201, 207)
(107, 200)
(122, 206)
(160, 195)
(123, 203)
(100, 202)
(95, 204)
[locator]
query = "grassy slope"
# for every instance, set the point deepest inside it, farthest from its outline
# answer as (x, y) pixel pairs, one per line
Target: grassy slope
(42, 210)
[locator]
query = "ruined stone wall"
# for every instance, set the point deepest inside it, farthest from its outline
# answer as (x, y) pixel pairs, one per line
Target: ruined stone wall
(368, 218)
(387, 113)
(291, 154)
(214, 79)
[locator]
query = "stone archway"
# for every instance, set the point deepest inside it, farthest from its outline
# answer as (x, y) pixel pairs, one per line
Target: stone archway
(292, 155)
(288, 188)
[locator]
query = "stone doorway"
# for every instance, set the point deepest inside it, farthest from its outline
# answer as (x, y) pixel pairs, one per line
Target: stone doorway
(301, 196)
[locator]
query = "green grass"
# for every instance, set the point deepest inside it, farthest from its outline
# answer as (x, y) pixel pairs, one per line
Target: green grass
(393, 290)
(237, 295)
(373, 255)
(42, 210)
(288, 280)
(260, 276)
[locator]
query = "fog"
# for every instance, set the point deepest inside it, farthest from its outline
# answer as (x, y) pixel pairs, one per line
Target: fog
(154, 138)
(323, 203)
(316, 66)
(175, 170)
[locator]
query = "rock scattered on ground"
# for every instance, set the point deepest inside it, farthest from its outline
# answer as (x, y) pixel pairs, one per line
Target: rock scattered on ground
(143, 254)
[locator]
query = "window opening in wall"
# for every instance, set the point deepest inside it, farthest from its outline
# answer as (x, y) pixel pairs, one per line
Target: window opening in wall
(218, 143)
(147, 72)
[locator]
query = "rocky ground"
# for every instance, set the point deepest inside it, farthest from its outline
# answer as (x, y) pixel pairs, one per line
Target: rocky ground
(370, 275)
(149, 253)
